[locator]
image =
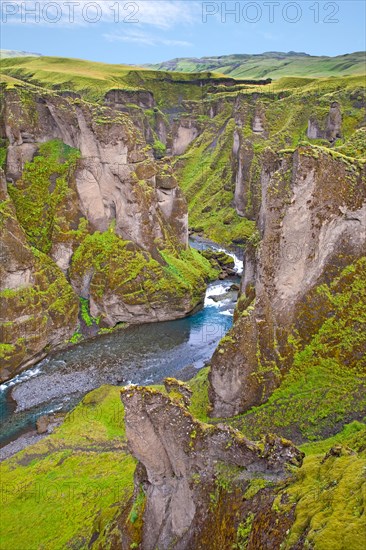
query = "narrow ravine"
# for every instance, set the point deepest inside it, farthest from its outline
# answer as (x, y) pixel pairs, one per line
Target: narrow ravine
(143, 354)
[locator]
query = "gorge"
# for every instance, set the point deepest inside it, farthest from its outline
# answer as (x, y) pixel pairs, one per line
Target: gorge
(176, 413)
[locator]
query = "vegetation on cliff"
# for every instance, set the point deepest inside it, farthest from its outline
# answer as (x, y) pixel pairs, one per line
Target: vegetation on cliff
(43, 195)
(73, 487)
(118, 267)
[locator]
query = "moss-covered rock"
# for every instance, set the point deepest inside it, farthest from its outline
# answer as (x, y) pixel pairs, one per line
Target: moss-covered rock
(39, 308)
(312, 224)
(125, 283)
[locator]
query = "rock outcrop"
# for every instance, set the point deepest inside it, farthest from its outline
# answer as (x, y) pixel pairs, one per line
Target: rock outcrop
(312, 224)
(330, 129)
(113, 162)
(38, 308)
(180, 459)
(85, 195)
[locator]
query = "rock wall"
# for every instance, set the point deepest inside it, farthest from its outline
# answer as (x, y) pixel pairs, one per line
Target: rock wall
(114, 160)
(38, 308)
(312, 223)
(103, 216)
(179, 461)
(330, 129)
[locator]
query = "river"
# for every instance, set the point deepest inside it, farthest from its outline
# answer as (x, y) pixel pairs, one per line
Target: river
(143, 354)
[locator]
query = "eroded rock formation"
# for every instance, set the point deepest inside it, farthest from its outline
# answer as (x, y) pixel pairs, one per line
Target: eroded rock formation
(312, 224)
(32, 287)
(180, 459)
(113, 161)
(86, 192)
(330, 129)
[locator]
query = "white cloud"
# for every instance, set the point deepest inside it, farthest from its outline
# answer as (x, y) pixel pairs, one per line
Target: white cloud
(146, 39)
(163, 14)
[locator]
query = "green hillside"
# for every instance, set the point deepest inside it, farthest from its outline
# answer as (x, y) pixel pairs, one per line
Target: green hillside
(93, 80)
(270, 65)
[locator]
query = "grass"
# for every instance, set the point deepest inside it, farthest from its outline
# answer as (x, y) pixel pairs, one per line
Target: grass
(327, 382)
(59, 490)
(271, 65)
(75, 483)
(93, 80)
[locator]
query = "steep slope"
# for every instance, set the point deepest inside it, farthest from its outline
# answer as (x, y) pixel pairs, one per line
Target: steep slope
(76, 487)
(273, 65)
(38, 307)
(312, 225)
(220, 171)
(87, 192)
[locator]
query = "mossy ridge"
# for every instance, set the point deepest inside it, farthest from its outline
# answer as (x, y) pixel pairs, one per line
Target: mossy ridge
(41, 193)
(120, 267)
(318, 491)
(328, 492)
(46, 305)
(327, 382)
(79, 477)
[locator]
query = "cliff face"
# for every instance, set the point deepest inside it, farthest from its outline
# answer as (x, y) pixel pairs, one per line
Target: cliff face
(113, 159)
(180, 460)
(38, 307)
(87, 195)
(312, 224)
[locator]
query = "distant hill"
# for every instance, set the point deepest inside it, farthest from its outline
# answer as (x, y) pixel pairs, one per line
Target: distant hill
(273, 65)
(15, 53)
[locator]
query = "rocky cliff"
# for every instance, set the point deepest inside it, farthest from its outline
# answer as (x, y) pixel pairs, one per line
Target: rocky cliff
(181, 460)
(88, 198)
(312, 224)
(38, 307)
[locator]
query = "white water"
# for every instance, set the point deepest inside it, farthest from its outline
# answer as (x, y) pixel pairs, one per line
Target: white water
(215, 290)
(239, 264)
(26, 375)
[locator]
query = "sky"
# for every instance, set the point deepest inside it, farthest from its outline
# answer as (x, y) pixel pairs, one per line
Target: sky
(149, 31)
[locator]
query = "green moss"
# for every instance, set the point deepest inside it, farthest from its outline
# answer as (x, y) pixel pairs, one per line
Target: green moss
(352, 435)
(138, 507)
(48, 304)
(329, 491)
(327, 382)
(206, 178)
(255, 486)
(6, 350)
(64, 485)
(199, 400)
(3, 153)
(120, 267)
(85, 313)
(42, 191)
(76, 337)
(159, 149)
(243, 533)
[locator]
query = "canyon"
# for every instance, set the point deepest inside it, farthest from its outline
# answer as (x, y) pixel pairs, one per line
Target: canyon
(106, 174)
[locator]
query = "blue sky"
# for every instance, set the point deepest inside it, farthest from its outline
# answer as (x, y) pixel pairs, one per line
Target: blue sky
(146, 31)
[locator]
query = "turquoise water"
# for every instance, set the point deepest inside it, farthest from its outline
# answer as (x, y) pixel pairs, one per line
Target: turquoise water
(142, 354)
